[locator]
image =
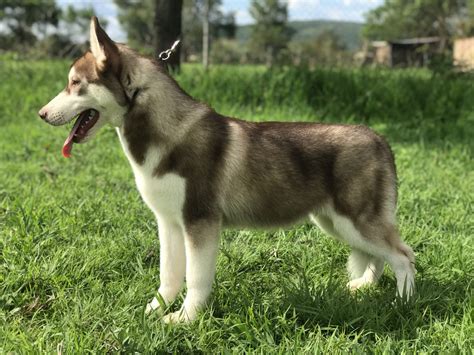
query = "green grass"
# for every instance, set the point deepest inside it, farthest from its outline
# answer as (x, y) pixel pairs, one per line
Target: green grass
(79, 252)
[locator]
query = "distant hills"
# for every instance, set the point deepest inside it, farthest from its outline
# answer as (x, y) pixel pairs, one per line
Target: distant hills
(348, 32)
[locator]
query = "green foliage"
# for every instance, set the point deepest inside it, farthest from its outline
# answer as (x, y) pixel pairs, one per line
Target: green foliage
(137, 21)
(313, 43)
(226, 51)
(270, 33)
(326, 50)
(397, 19)
(307, 31)
(19, 17)
(78, 20)
(79, 253)
(349, 33)
(28, 28)
(414, 98)
(221, 26)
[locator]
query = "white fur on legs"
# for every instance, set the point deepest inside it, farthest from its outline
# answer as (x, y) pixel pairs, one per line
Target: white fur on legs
(357, 263)
(172, 263)
(201, 254)
(325, 224)
(363, 270)
(402, 263)
(400, 257)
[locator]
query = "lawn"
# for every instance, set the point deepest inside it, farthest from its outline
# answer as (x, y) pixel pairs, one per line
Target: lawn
(79, 251)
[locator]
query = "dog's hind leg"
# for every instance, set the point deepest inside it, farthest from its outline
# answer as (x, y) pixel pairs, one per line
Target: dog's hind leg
(201, 242)
(172, 262)
(379, 241)
(325, 224)
(382, 242)
(362, 267)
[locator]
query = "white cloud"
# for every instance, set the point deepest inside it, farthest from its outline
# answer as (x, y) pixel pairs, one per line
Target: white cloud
(347, 10)
(242, 17)
(360, 2)
(302, 4)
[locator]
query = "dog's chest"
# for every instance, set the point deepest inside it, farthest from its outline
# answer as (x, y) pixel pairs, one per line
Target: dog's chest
(164, 195)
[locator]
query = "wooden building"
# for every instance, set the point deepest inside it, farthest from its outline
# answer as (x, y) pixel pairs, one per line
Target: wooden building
(412, 52)
(463, 53)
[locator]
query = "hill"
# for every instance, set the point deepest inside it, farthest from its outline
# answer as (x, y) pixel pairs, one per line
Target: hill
(349, 32)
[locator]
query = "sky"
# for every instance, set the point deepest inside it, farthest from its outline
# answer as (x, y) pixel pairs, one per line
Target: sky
(347, 10)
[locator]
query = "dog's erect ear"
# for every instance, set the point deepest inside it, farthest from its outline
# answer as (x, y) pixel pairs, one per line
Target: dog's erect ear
(103, 48)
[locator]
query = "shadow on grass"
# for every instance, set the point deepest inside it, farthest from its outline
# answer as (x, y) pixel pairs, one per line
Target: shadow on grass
(375, 310)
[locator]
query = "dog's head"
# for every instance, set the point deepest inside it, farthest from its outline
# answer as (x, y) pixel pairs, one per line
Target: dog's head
(94, 95)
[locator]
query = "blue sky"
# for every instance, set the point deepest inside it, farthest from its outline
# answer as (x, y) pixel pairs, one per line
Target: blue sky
(348, 10)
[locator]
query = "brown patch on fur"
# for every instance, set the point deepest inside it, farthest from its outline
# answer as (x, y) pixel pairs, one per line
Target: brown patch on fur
(112, 55)
(85, 67)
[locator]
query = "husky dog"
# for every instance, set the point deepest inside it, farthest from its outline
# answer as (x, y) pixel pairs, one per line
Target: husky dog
(199, 171)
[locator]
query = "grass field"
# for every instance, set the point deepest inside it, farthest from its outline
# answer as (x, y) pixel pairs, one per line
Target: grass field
(79, 252)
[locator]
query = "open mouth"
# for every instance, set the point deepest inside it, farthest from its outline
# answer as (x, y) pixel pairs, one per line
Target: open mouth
(86, 120)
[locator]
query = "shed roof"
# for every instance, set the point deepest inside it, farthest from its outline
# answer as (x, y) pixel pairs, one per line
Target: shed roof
(420, 40)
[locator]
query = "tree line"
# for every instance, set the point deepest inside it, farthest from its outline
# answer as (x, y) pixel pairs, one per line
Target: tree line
(41, 27)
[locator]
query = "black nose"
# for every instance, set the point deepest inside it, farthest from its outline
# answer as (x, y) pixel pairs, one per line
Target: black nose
(43, 114)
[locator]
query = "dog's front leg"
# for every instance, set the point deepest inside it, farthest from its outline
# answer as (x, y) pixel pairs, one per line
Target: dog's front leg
(201, 242)
(172, 262)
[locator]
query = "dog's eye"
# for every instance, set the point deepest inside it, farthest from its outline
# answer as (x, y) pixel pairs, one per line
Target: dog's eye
(75, 82)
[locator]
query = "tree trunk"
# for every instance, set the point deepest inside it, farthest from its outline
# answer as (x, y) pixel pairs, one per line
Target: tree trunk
(168, 29)
(205, 36)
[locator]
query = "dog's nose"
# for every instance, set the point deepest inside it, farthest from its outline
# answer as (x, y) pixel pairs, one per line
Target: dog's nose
(43, 113)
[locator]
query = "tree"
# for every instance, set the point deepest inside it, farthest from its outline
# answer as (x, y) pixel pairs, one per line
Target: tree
(205, 35)
(326, 50)
(22, 18)
(152, 26)
(397, 19)
(78, 20)
(168, 28)
(71, 38)
(220, 25)
(466, 20)
(270, 34)
(138, 21)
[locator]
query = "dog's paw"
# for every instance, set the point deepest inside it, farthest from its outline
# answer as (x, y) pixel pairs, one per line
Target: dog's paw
(178, 317)
(356, 284)
(153, 307)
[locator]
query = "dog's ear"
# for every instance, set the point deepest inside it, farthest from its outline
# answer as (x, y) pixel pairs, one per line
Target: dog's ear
(103, 48)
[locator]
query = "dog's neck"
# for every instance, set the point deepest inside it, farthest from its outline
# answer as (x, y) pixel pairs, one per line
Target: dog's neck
(161, 114)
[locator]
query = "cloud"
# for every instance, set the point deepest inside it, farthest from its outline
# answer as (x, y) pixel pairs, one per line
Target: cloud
(298, 4)
(242, 17)
(360, 2)
(348, 10)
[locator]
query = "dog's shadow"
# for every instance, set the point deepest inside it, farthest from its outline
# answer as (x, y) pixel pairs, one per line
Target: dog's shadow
(375, 310)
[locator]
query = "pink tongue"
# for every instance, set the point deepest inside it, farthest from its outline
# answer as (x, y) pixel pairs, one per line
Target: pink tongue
(67, 146)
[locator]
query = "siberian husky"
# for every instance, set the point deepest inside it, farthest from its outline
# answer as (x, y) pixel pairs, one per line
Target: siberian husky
(199, 171)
